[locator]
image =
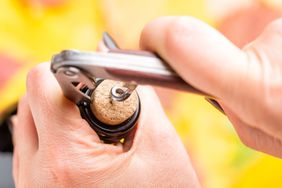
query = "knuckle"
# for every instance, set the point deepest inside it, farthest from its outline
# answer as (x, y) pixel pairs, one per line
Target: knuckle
(181, 35)
(270, 99)
(34, 75)
(266, 82)
(269, 88)
(179, 27)
(36, 81)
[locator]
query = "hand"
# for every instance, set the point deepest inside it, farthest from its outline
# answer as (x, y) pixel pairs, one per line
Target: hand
(55, 147)
(247, 82)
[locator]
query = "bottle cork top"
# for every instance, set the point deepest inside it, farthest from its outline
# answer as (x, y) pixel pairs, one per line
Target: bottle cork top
(109, 111)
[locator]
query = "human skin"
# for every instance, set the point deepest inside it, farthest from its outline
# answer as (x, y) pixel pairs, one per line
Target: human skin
(244, 25)
(246, 82)
(55, 147)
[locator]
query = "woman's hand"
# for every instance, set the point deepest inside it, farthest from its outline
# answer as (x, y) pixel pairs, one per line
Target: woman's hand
(55, 147)
(247, 82)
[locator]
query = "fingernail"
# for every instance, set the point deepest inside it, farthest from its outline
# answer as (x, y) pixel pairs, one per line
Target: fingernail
(215, 104)
(109, 41)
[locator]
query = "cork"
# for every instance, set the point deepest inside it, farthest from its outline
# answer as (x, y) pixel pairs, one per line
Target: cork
(109, 111)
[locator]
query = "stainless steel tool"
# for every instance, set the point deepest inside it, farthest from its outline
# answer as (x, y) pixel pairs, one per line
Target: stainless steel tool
(78, 72)
(81, 70)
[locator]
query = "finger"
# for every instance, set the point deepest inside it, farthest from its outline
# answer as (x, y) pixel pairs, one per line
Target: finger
(154, 129)
(270, 41)
(201, 55)
(265, 53)
(24, 132)
(53, 114)
(254, 137)
(156, 139)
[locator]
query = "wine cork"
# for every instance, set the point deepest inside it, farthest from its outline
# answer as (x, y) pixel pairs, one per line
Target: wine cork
(109, 111)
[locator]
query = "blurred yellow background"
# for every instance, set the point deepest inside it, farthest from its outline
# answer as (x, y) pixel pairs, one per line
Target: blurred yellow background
(31, 31)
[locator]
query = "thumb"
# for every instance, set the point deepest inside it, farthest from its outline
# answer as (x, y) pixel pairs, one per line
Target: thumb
(201, 55)
(53, 114)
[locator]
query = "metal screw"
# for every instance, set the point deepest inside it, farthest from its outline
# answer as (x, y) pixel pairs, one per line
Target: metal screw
(119, 93)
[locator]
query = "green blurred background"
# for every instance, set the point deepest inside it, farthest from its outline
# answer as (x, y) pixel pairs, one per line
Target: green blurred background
(31, 31)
